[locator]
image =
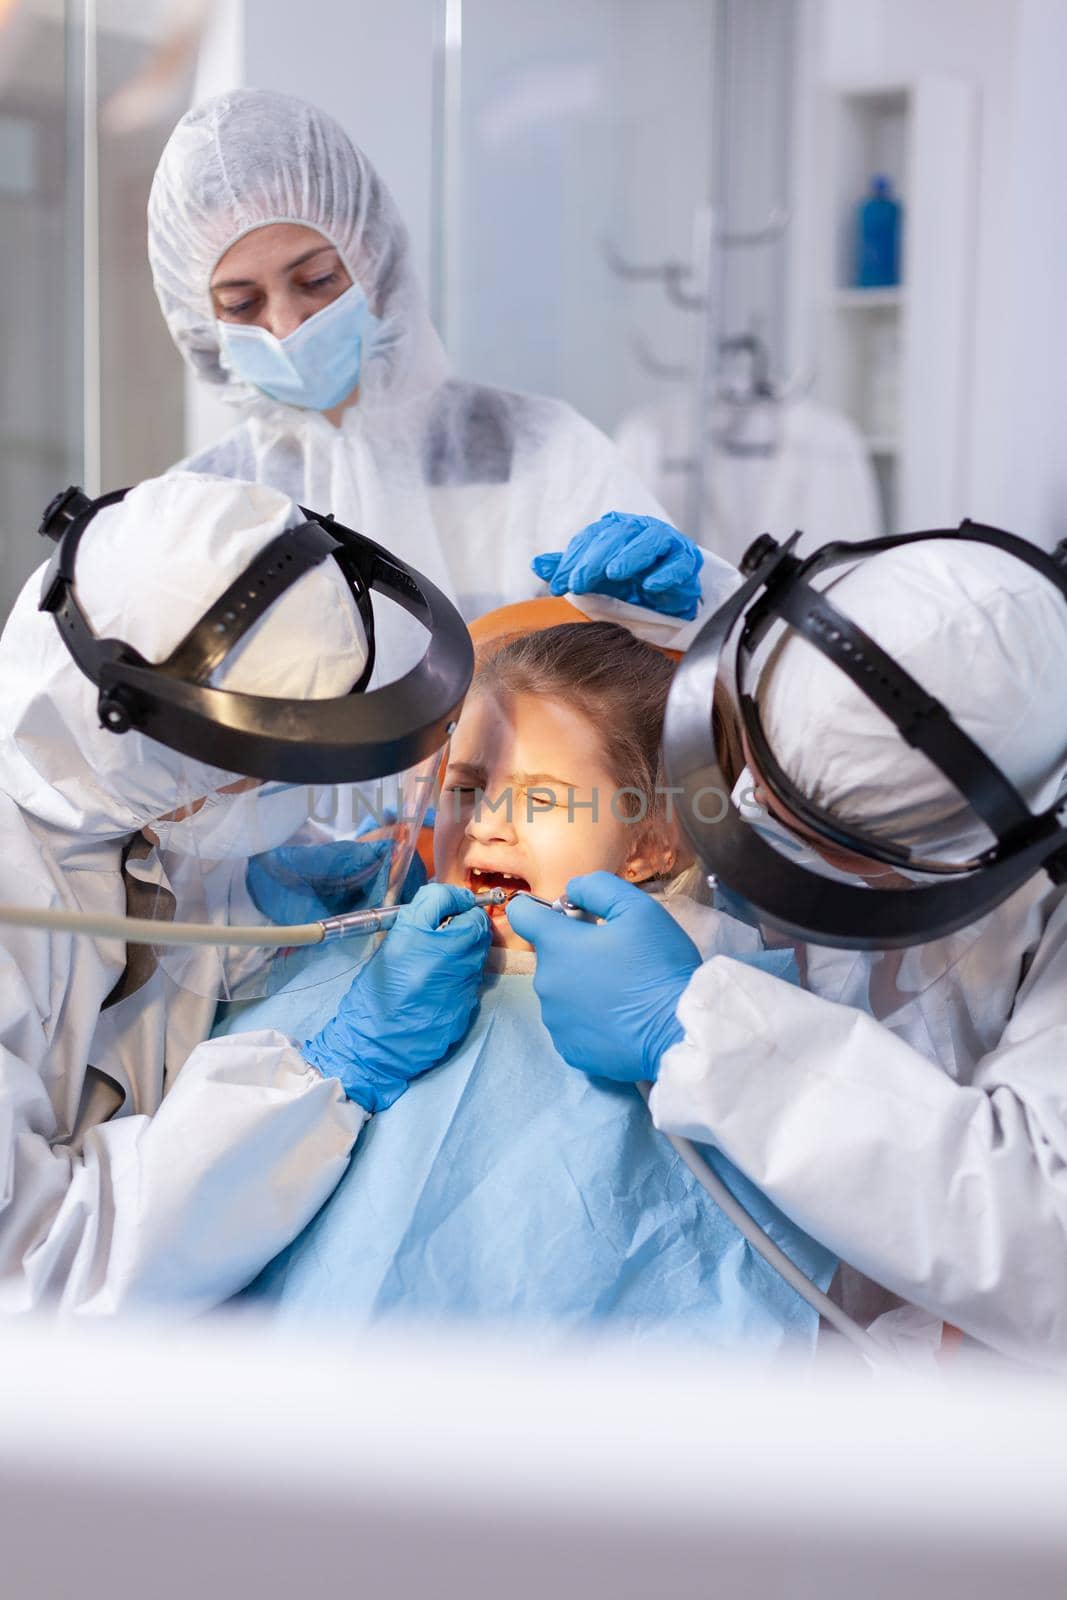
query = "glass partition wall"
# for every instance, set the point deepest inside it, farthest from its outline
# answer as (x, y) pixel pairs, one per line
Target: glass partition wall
(41, 274)
(90, 385)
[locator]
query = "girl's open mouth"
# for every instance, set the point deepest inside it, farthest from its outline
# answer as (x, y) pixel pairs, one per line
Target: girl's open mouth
(478, 878)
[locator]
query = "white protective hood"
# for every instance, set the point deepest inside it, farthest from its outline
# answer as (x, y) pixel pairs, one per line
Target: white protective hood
(981, 631)
(252, 157)
(146, 571)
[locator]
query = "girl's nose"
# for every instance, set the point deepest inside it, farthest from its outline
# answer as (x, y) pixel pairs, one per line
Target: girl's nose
(492, 818)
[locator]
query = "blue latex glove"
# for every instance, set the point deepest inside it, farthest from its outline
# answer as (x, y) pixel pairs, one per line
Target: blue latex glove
(411, 1002)
(638, 559)
(608, 992)
(306, 882)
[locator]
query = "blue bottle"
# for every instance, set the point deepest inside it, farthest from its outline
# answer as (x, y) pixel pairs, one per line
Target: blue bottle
(878, 237)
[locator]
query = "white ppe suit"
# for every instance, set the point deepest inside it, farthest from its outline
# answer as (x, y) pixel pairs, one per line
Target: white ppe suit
(464, 481)
(910, 1110)
(138, 1164)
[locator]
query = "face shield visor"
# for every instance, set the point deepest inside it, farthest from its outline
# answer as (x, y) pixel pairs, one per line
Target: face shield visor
(287, 812)
(256, 854)
(794, 862)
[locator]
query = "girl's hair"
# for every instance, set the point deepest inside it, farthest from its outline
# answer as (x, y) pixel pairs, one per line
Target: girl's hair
(620, 685)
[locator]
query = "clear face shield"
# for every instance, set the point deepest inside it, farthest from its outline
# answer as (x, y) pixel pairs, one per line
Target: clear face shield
(257, 855)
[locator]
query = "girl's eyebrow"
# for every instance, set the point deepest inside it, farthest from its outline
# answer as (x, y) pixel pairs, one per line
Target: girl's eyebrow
(521, 780)
(528, 779)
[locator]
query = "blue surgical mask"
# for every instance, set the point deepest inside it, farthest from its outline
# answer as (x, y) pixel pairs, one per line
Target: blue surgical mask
(317, 365)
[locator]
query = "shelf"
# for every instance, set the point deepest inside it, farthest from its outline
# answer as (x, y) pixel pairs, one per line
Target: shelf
(894, 359)
(868, 299)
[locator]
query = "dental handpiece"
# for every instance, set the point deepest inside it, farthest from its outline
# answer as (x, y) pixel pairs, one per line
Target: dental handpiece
(145, 930)
(367, 922)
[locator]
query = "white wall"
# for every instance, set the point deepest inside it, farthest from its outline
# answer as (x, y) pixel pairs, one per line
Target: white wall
(41, 308)
(1011, 50)
(1033, 352)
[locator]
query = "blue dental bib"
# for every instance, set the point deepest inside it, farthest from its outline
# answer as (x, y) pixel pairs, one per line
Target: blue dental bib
(505, 1186)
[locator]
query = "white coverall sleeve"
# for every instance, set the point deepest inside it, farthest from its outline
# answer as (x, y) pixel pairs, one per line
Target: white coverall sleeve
(244, 1149)
(182, 1207)
(953, 1196)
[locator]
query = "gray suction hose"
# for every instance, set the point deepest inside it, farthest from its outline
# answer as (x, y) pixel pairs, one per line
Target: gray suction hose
(766, 1247)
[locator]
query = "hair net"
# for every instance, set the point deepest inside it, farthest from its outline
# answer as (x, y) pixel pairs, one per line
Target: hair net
(252, 157)
(146, 571)
(983, 633)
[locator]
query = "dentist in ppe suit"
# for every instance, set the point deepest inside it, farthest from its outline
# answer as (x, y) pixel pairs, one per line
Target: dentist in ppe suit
(284, 272)
(190, 640)
(905, 727)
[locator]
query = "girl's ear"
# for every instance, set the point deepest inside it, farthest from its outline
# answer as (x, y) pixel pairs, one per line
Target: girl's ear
(655, 856)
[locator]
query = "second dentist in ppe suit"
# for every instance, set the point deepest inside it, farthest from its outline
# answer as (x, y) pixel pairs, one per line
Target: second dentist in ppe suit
(284, 272)
(910, 1110)
(140, 1162)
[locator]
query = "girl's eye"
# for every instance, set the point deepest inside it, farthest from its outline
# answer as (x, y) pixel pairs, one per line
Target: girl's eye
(540, 802)
(313, 285)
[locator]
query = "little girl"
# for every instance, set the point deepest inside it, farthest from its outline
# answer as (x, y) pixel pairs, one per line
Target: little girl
(503, 1184)
(554, 768)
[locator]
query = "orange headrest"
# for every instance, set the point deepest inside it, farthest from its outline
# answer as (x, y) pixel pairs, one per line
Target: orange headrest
(524, 616)
(531, 616)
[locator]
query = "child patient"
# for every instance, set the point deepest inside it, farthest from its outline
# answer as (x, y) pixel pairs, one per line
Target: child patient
(553, 768)
(503, 1184)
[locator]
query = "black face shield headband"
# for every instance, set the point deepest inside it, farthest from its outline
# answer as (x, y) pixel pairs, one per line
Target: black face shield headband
(803, 903)
(351, 738)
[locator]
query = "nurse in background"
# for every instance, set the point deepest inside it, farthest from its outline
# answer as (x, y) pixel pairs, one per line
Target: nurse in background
(284, 273)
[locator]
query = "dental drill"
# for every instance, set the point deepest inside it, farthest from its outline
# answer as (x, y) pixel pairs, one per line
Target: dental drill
(146, 930)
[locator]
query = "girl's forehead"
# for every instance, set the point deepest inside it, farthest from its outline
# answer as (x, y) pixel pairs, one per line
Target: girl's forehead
(496, 726)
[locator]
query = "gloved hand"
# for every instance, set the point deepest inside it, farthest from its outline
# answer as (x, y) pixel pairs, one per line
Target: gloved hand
(608, 993)
(638, 559)
(411, 1002)
(306, 882)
